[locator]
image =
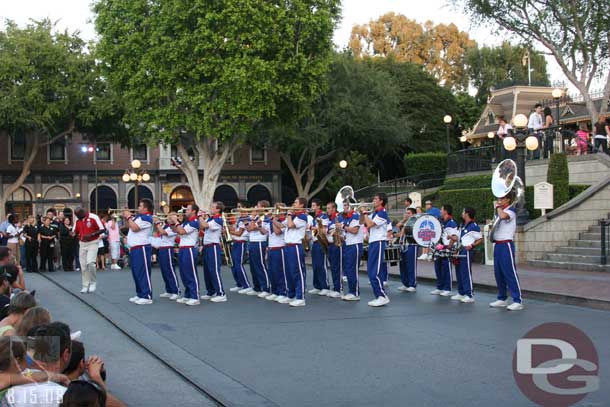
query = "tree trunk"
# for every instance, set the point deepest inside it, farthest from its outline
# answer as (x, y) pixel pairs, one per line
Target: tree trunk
(305, 189)
(204, 184)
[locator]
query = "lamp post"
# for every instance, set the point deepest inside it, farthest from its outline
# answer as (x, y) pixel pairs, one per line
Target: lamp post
(447, 119)
(521, 140)
(93, 149)
(557, 94)
(137, 175)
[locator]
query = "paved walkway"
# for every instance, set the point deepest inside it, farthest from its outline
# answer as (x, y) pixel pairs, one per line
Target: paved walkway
(588, 288)
(420, 350)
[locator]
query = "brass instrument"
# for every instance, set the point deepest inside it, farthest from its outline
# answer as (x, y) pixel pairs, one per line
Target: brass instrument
(225, 240)
(505, 181)
(322, 239)
(116, 213)
(163, 217)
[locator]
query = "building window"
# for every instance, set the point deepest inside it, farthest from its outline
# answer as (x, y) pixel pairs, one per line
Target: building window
(57, 150)
(17, 148)
(103, 152)
(258, 155)
(491, 118)
(140, 152)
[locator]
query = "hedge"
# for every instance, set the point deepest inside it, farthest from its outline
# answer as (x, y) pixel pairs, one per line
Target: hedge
(476, 181)
(558, 174)
(425, 163)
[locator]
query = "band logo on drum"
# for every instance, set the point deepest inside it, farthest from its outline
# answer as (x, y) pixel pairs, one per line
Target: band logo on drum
(427, 232)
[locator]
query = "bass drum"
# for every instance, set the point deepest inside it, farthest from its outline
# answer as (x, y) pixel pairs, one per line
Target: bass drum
(408, 236)
(426, 230)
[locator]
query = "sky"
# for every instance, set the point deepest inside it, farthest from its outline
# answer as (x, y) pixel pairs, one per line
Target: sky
(76, 15)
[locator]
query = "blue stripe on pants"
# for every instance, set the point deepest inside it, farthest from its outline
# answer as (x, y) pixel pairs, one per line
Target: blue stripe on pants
(295, 269)
(140, 270)
(239, 272)
(320, 269)
(464, 273)
(351, 261)
(258, 268)
(408, 266)
(442, 268)
(335, 258)
(506, 272)
(376, 256)
(167, 270)
(212, 262)
(187, 258)
(279, 283)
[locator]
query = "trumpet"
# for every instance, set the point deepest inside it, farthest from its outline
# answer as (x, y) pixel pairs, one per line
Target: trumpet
(165, 216)
(363, 206)
(117, 213)
(238, 210)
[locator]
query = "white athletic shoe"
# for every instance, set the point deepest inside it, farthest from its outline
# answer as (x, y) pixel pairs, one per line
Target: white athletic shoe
(219, 298)
(467, 300)
(245, 290)
(350, 297)
(403, 288)
(323, 292)
(143, 301)
(271, 297)
(445, 293)
(252, 292)
(92, 287)
(165, 295)
(263, 294)
(86, 289)
(115, 267)
(314, 291)
(174, 297)
(280, 298)
(206, 297)
(235, 289)
(297, 303)
(379, 302)
(411, 289)
(515, 306)
(436, 292)
(498, 304)
(334, 294)
(429, 257)
(458, 297)
(286, 300)
(132, 299)
(192, 301)
(182, 300)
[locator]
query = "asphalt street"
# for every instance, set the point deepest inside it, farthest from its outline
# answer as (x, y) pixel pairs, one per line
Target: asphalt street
(419, 350)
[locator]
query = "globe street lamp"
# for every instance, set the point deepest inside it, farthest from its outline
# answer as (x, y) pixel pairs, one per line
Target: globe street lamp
(137, 175)
(521, 140)
(557, 94)
(343, 164)
(447, 119)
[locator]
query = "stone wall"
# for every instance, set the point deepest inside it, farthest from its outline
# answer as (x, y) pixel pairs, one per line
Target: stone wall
(553, 230)
(584, 169)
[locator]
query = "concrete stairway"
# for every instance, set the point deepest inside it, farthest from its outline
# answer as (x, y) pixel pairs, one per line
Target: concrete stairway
(583, 253)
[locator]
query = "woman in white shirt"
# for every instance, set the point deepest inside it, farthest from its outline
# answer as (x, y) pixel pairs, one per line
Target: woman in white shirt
(13, 231)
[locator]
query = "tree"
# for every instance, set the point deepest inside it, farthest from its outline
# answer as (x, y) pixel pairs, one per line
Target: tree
(359, 173)
(202, 74)
(574, 32)
(467, 111)
(359, 112)
(439, 48)
(49, 88)
(495, 66)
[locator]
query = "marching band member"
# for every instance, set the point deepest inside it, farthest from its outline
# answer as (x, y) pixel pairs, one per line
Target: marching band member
(212, 260)
(470, 237)
(238, 250)
(335, 252)
(443, 265)
(378, 230)
(258, 231)
(296, 225)
(408, 259)
(352, 252)
(140, 250)
(88, 229)
(318, 257)
(165, 249)
(277, 263)
(188, 254)
(504, 256)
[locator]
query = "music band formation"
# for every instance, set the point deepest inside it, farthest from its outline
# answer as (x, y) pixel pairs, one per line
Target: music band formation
(275, 241)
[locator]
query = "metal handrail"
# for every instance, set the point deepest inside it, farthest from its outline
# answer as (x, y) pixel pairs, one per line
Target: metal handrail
(605, 231)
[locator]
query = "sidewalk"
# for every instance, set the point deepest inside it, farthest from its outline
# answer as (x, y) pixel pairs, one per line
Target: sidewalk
(584, 288)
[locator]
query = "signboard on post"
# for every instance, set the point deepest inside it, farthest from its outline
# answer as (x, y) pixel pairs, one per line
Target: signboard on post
(543, 196)
(416, 198)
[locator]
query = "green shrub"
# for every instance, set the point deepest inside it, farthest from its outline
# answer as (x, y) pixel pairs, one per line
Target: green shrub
(558, 174)
(481, 199)
(476, 181)
(425, 163)
(577, 189)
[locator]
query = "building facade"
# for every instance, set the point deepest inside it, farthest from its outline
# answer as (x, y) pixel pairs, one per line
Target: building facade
(75, 172)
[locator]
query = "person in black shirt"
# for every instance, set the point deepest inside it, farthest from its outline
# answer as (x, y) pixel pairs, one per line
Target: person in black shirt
(46, 237)
(601, 135)
(30, 231)
(67, 242)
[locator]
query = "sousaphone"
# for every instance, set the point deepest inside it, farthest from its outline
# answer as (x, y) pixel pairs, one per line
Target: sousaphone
(505, 181)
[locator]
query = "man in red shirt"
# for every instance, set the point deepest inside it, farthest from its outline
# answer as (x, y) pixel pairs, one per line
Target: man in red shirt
(88, 229)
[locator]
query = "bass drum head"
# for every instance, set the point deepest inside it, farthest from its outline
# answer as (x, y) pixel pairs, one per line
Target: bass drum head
(427, 230)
